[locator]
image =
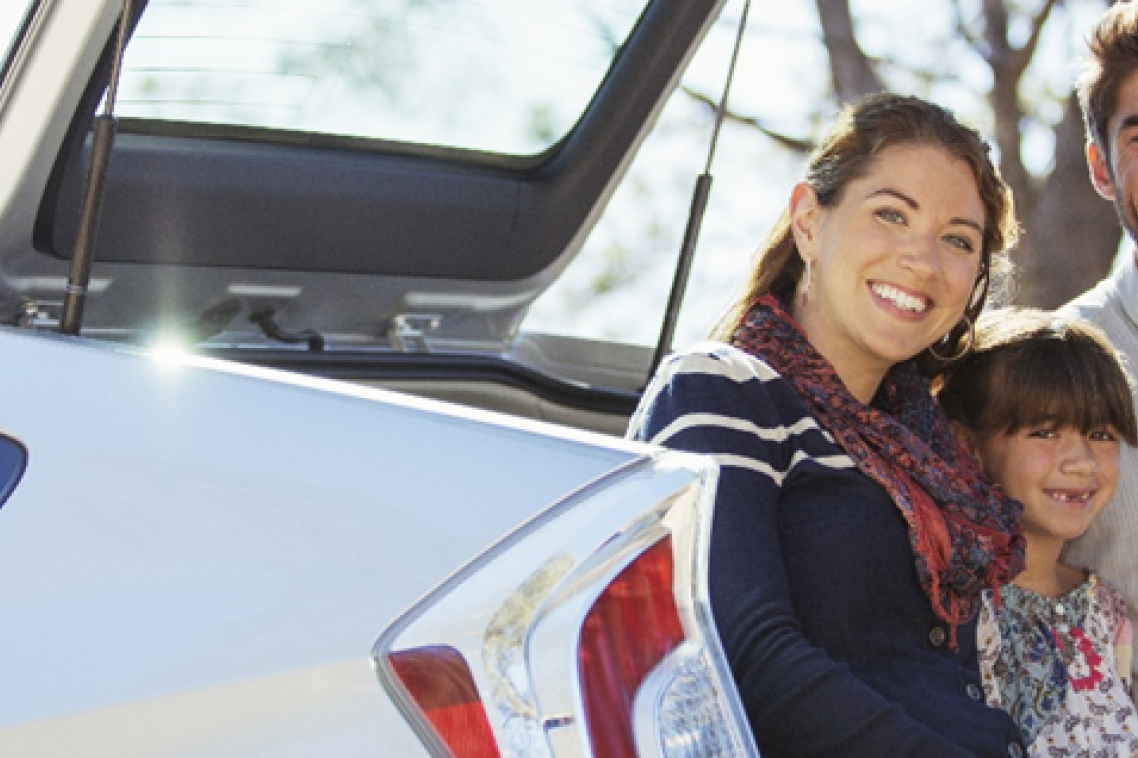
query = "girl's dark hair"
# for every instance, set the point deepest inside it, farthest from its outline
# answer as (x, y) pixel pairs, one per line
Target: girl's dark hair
(1030, 367)
(846, 153)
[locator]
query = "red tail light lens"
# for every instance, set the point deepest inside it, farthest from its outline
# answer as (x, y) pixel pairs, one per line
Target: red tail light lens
(439, 681)
(628, 631)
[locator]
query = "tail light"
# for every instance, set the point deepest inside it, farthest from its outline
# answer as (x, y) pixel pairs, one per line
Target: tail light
(586, 632)
(626, 634)
(440, 683)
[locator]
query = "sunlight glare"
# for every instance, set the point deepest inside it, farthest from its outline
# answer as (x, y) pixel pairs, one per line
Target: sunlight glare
(170, 352)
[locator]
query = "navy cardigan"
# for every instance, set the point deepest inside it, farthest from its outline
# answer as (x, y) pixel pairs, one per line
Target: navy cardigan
(833, 643)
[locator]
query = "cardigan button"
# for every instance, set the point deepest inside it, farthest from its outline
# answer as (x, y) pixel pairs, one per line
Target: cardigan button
(973, 692)
(937, 636)
(1015, 751)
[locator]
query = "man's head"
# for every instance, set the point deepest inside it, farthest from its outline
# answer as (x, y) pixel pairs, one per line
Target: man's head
(1108, 94)
(1113, 58)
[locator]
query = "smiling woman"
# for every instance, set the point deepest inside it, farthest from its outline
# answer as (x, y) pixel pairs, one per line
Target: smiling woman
(852, 535)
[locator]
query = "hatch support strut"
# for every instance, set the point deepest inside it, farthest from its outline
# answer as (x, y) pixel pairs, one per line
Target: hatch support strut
(102, 139)
(695, 217)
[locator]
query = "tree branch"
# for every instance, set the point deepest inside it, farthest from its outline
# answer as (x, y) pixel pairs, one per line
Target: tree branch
(797, 144)
(850, 71)
(1022, 57)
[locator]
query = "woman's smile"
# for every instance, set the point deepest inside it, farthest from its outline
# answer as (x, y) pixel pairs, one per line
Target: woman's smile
(902, 300)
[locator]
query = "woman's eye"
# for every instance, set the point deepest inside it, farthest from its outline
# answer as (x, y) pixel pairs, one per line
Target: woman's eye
(1103, 435)
(891, 215)
(1043, 433)
(962, 243)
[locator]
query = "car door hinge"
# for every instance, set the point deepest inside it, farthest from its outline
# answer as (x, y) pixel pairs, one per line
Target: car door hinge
(408, 331)
(35, 315)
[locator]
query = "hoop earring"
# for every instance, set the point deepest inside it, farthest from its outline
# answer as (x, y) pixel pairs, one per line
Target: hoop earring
(962, 351)
(804, 285)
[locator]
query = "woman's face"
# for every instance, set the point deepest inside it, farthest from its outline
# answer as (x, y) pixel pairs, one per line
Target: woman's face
(894, 261)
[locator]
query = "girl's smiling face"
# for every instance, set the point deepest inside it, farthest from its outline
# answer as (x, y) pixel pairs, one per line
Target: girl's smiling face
(1062, 475)
(894, 261)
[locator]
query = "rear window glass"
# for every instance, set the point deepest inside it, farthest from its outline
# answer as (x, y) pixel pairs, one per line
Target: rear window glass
(12, 13)
(503, 76)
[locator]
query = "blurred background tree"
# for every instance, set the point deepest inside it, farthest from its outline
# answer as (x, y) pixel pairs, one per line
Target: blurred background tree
(1007, 67)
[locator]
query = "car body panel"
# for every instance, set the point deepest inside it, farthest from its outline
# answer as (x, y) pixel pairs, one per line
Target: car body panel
(224, 534)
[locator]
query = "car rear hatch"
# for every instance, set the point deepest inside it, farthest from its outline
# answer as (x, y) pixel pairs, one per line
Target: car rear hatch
(375, 191)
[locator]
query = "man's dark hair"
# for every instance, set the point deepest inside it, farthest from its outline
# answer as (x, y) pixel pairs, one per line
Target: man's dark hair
(1113, 58)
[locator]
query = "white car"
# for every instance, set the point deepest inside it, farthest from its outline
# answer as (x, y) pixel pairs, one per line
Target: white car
(249, 544)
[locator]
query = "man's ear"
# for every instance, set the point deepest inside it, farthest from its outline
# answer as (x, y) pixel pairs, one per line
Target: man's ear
(1099, 168)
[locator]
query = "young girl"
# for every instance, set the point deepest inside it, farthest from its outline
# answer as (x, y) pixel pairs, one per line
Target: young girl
(1044, 404)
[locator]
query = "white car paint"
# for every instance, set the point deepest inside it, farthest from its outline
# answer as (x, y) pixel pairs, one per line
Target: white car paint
(200, 556)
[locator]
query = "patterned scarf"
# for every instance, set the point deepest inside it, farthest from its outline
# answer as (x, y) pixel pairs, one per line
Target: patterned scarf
(964, 531)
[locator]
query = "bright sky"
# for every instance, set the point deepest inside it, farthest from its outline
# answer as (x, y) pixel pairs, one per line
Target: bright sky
(10, 13)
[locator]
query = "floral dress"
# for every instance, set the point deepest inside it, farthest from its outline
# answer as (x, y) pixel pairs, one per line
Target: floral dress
(1061, 667)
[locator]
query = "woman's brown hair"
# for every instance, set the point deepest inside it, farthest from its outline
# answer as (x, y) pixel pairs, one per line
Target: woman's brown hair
(859, 135)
